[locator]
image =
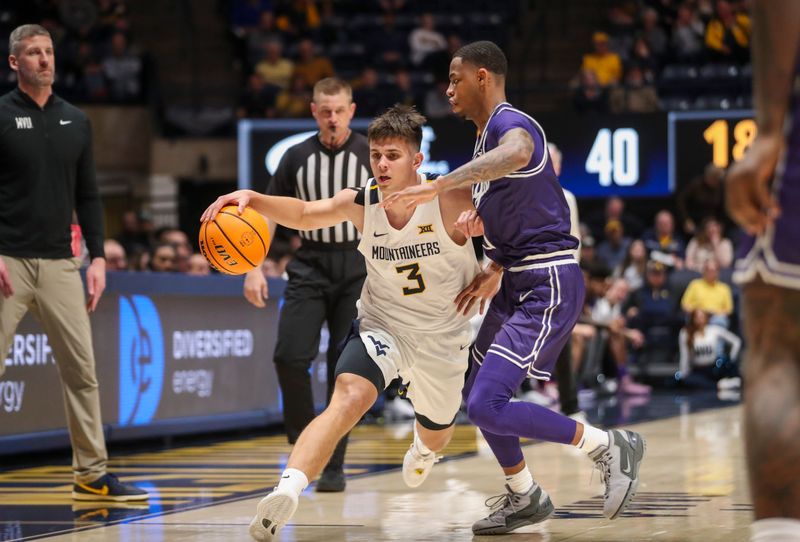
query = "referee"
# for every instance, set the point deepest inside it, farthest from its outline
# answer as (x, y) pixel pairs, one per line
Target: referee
(327, 272)
(46, 172)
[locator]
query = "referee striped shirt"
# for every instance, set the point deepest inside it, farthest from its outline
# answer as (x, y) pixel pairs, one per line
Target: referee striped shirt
(310, 171)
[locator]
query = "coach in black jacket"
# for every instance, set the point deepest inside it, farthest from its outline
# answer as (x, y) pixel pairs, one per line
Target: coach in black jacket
(326, 275)
(46, 173)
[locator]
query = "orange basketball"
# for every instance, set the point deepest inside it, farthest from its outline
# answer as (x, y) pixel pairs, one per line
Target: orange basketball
(234, 243)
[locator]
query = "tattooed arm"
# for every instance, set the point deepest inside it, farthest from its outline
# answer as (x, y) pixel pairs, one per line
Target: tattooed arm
(514, 151)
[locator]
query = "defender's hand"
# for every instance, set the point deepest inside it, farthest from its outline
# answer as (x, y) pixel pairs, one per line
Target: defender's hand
(747, 192)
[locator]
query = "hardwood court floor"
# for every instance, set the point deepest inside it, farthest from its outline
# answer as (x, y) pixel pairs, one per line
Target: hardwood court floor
(693, 489)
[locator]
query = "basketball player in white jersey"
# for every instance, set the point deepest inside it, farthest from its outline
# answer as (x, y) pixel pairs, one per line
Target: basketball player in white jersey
(407, 325)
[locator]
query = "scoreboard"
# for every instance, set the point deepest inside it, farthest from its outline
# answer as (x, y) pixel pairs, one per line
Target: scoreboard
(645, 155)
(698, 138)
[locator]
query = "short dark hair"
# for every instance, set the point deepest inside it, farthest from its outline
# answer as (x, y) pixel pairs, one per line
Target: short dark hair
(399, 121)
(484, 54)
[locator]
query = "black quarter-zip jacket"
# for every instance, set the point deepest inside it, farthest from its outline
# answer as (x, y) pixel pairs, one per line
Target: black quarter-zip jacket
(46, 172)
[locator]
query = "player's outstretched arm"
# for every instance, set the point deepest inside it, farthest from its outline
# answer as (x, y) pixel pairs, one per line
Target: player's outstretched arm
(513, 152)
(292, 212)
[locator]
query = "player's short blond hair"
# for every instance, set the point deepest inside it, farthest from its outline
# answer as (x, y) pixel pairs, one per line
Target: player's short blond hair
(331, 86)
(399, 121)
(22, 33)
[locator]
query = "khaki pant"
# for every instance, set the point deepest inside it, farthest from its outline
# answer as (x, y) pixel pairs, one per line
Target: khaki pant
(53, 291)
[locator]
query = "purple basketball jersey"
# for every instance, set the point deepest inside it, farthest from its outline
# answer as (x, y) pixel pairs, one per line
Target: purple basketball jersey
(525, 215)
(775, 256)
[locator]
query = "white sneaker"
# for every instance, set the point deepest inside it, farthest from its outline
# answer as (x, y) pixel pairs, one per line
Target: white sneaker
(272, 513)
(416, 466)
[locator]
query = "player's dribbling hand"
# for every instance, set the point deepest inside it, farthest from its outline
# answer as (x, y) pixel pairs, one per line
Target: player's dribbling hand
(411, 196)
(240, 197)
(747, 192)
(470, 224)
(255, 288)
(483, 287)
(5, 280)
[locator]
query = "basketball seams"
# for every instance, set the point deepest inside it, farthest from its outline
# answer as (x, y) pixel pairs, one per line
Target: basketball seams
(209, 252)
(233, 245)
(263, 244)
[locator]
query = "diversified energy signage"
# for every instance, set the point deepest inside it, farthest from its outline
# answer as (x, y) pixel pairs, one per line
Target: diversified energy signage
(159, 358)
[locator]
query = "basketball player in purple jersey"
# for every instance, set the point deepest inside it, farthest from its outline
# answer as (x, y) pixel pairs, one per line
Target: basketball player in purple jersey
(526, 226)
(763, 197)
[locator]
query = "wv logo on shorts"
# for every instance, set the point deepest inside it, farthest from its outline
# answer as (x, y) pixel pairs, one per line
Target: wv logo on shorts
(141, 360)
(380, 348)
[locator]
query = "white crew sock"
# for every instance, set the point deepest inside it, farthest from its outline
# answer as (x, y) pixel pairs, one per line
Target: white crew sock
(293, 480)
(775, 530)
(419, 445)
(592, 439)
(521, 482)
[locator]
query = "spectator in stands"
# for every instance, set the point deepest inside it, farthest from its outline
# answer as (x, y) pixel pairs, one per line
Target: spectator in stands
(653, 310)
(370, 98)
(266, 31)
(437, 105)
(295, 101)
(622, 27)
(614, 210)
(245, 14)
(115, 256)
(403, 90)
(687, 35)
(425, 39)
(653, 34)
(633, 266)
(709, 243)
(93, 84)
(700, 350)
(275, 69)
(605, 64)
(391, 6)
(298, 18)
(644, 58)
(635, 96)
(309, 66)
(132, 238)
(111, 16)
(162, 258)
(590, 97)
(607, 312)
(123, 70)
(728, 34)
(388, 44)
(180, 242)
(702, 197)
(612, 250)
(709, 294)
(663, 243)
(198, 266)
(588, 249)
(258, 99)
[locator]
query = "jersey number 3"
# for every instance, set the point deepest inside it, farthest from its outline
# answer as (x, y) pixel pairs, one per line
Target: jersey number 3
(413, 275)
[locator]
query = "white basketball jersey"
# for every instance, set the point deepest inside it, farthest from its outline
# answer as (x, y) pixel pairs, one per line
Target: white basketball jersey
(415, 273)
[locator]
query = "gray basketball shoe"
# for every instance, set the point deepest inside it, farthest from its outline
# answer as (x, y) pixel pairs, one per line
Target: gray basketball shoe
(619, 468)
(514, 510)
